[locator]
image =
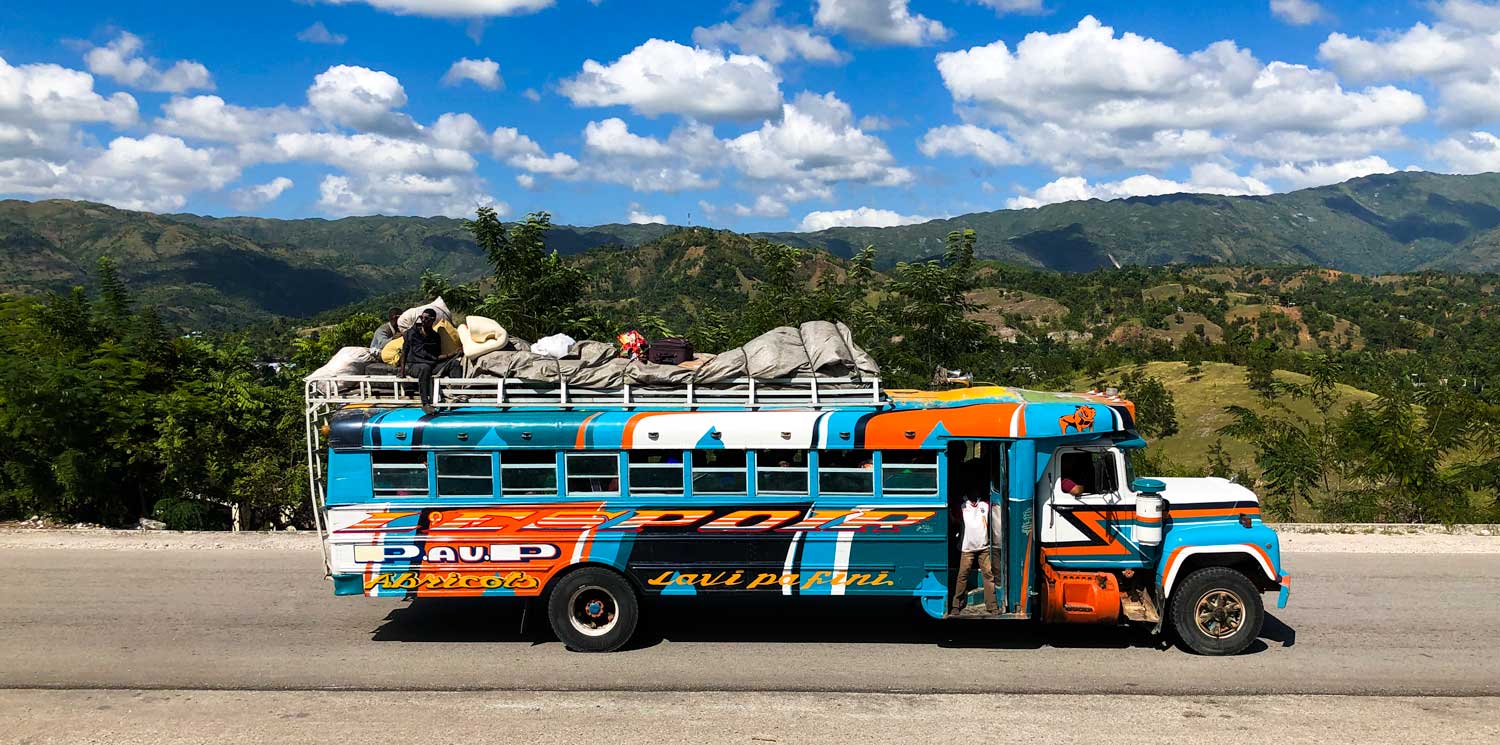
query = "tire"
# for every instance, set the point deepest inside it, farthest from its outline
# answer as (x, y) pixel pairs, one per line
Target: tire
(1229, 604)
(593, 610)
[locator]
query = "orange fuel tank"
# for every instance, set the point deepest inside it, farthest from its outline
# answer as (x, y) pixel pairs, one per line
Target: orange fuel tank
(1080, 597)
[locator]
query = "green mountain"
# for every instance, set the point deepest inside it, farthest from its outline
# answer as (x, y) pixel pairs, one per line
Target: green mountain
(215, 271)
(1393, 222)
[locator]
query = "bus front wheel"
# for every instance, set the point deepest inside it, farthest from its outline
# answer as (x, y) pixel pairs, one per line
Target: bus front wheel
(593, 610)
(1217, 611)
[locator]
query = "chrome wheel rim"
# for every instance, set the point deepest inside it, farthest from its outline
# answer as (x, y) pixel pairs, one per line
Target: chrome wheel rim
(1220, 614)
(593, 611)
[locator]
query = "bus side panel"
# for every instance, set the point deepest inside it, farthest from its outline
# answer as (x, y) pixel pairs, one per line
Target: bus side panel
(764, 547)
(1021, 547)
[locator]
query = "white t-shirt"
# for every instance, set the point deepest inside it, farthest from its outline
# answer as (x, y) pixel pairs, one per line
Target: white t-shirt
(976, 525)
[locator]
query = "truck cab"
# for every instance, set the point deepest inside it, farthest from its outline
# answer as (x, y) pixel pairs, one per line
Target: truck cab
(1191, 554)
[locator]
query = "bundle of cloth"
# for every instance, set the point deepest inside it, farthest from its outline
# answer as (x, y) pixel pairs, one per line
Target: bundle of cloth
(819, 348)
(814, 348)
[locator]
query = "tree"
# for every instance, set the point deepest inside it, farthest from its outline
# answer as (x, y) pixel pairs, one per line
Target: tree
(931, 305)
(1155, 408)
(536, 293)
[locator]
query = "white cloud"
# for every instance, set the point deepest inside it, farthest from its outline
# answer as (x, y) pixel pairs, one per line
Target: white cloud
(1305, 175)
(370, 153)
(1472, 14)
(154, 172)
(485, 73)
(879, 22)
(664, 77)
(319, 34)
(967, 139)
(361, 98)
(637, 216)
(1091, 79)
(526, 181)
(613, 137)
(1088, 98)
(404, 194)
(1459, 55)
(814, 145)
(1473, 152)
(120, 60)
(532, 95)
(509, 145)
(1204, 179)
(260, 195)
(210, 118)
(756, 31)
(1002, 7)
(680, 162)
(862, 217)
(1298, 12)
(453, 8)
(765, 206)
(52, 93)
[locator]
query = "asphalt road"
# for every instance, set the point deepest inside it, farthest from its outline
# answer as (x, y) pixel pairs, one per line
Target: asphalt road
(234, 619)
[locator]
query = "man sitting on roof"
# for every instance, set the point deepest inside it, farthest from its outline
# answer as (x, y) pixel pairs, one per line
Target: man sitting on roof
(422, 357)
(386, 332)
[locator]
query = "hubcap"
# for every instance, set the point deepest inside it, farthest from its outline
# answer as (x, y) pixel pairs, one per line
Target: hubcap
(1220, 613)
(592, 610)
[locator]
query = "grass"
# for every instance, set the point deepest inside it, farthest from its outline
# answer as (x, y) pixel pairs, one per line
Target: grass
(1201, 400)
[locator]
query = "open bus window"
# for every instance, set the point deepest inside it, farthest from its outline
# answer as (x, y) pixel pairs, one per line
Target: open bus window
(908, 473)
(1094, 470)
(467, 475)
(592, 473)
(528, 472)
(399, 473)
(781, 472)
(656, 472)
(719, 472)
(846, 472)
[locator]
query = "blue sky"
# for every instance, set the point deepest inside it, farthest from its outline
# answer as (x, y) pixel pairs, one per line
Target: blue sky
(751, 116)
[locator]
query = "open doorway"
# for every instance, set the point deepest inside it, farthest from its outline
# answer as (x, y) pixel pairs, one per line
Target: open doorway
(978, 469)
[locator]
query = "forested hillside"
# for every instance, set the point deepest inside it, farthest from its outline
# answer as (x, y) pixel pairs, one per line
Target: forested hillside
(223, 272)
(1338, 395)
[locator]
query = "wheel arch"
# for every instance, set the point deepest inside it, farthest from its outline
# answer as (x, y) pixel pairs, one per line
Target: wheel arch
(630, 578)
(1246, 559)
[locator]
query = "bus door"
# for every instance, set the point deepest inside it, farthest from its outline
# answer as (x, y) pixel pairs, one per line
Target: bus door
(979, 467)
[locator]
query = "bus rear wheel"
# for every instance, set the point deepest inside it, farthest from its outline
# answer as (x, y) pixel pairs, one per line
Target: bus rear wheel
(1217, 611)
(593, 610)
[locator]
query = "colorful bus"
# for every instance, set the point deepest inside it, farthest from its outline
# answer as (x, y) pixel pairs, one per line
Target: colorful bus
(591, 502)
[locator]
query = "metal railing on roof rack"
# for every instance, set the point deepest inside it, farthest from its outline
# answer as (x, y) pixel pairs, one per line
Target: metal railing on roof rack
(390, 390)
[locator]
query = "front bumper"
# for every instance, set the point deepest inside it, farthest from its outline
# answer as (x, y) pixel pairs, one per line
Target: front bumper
(1286, 591)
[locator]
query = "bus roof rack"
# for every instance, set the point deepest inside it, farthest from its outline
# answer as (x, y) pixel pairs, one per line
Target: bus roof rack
(390, 390)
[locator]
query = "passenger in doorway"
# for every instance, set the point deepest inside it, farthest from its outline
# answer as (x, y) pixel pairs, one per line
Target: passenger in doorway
(422, 357)
(386, 332)
(975, 549)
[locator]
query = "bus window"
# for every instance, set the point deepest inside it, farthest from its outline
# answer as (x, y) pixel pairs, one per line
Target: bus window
(781, 472)
(909, 473)
(846, 472)
(399, 473)
(719, 472)
(592, 473)
(467, 475)
(1094, 470)
(656, 472)
(528, 472)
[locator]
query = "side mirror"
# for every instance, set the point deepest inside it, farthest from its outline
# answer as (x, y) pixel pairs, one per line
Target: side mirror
(1147, 486)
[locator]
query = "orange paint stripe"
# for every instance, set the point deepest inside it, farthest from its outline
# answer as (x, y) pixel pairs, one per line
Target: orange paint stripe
(583, 431)
(1026, 576)
(1229, 512)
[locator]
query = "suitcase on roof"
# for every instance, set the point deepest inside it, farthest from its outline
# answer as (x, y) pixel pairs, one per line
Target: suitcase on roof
(670, 351)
